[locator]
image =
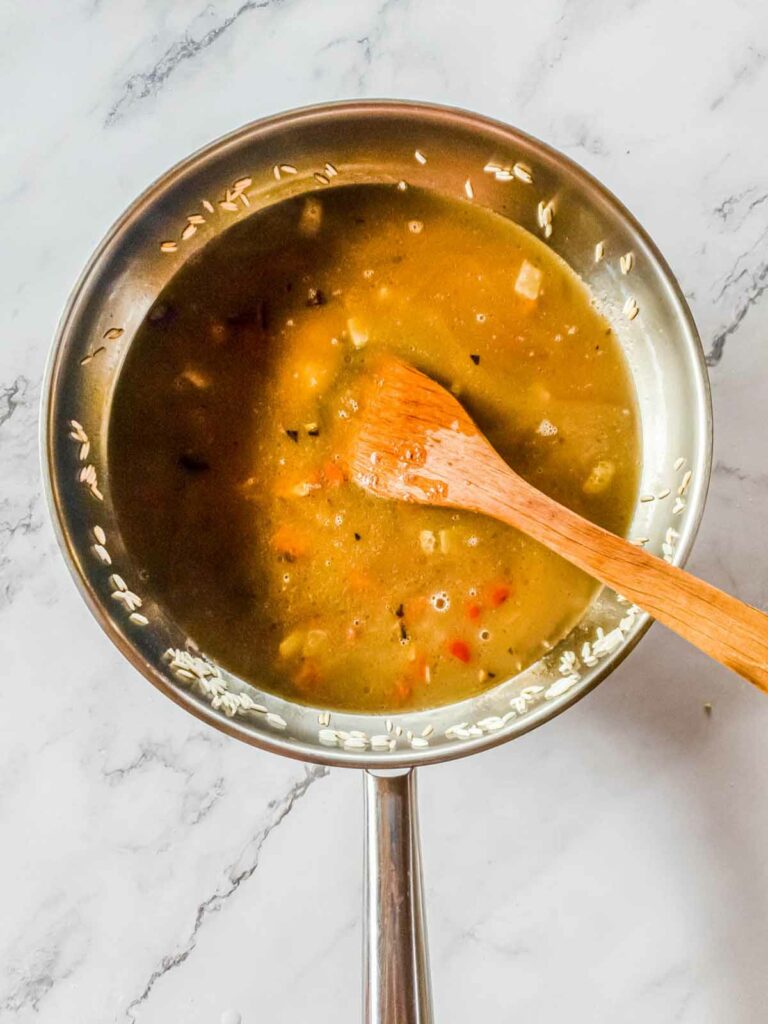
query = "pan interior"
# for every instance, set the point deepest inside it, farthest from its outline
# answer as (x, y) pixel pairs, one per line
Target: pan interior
(440, 151)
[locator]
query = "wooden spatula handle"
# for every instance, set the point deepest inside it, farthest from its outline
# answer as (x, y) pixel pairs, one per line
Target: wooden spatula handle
(734, 633)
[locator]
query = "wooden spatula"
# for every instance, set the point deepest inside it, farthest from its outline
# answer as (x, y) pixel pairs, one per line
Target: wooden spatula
(414, 442)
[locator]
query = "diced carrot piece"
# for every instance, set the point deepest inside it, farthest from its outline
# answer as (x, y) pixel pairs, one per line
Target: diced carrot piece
(473, 610)
(289, 540)
(460, 649)
(333, 473)
(498, 594)
(403, 690)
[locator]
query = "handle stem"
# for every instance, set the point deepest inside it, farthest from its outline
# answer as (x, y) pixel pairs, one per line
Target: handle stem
(396, 967)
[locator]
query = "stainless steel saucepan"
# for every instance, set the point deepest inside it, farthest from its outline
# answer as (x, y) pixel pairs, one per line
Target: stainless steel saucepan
(461, 155)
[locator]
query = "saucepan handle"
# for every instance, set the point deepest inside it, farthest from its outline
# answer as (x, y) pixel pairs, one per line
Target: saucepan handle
(396, 968)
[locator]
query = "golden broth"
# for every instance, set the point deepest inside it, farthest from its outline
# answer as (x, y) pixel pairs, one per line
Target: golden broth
(228, 422)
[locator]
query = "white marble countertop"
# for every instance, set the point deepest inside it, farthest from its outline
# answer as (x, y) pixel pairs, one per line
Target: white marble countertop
(609, 867)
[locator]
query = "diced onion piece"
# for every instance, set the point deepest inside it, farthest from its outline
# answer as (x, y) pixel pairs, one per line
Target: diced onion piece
(311, 217)
(358, 334)
(192, 378)
(315, 641)
(303, 488)
(292, 644)
(528, 283)
(427, 542)
(445, 541)
(600, 477)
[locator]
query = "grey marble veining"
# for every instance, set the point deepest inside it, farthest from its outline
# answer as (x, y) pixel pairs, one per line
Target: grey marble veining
(608, 867)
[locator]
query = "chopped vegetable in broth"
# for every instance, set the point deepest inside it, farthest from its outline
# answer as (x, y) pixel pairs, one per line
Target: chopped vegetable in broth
(227, 435)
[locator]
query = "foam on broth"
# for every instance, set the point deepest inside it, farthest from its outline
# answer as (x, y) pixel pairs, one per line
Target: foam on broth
(224, 446)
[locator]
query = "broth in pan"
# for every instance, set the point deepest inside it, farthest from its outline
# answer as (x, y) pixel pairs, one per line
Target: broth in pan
(227, 432)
